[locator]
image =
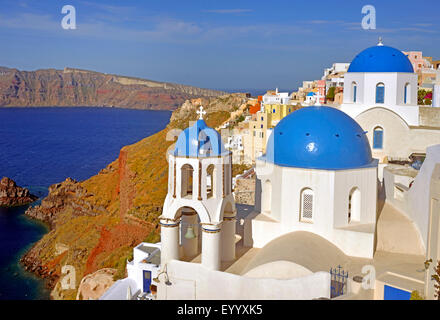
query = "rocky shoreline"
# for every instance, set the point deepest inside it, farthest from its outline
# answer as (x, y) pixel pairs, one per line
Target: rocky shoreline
(68, 193)
(12, 195)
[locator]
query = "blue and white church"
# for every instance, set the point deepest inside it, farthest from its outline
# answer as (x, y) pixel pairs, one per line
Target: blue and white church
(381, 76)
(318, 176)
(380, 93)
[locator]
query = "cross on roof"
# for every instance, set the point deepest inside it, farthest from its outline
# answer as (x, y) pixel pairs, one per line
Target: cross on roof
(380, 42)
(201, 113)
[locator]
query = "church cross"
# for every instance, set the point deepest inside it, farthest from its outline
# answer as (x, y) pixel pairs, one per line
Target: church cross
(201, 113)
(380, 42)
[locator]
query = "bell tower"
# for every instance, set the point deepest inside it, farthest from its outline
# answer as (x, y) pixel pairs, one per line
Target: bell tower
(199, 189)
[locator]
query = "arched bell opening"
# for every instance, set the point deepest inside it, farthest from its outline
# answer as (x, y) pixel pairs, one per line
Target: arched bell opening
(186, 181)
(210, 181)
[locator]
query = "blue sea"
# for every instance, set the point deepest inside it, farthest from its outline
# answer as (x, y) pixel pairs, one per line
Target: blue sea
(43, 146)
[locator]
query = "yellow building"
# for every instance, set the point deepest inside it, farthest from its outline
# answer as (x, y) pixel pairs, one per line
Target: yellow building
(276, 112)
(255, 137)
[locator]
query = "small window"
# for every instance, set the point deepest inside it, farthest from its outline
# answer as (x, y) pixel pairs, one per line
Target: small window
(407, 92)
(354, 85)
(273, 110)
(307, 205)
(378, 138)
(380, 93)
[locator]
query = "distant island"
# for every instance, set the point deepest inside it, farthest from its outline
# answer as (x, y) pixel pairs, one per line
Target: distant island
(76, 87)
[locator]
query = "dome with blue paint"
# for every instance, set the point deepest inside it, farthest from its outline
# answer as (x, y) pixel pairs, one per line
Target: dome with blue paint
(310, 94)
(199, 140)
(381, 58)
(319, 138)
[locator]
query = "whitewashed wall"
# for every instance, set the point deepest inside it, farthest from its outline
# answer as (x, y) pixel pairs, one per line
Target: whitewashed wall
(193, 281)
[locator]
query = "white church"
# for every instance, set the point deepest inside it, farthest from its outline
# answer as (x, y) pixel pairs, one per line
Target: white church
(328, 198)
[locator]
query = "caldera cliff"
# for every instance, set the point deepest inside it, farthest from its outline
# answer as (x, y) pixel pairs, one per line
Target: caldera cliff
(75, 87)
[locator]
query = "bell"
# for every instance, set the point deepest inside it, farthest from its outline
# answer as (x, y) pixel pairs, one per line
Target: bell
(190, 233)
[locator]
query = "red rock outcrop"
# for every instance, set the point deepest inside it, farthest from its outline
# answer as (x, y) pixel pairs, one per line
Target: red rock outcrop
(68, 193)
(12, 195)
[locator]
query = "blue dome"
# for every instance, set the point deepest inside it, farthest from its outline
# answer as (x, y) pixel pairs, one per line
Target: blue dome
(310, 94)
(381, 59)
(199, 140)
(319, 138)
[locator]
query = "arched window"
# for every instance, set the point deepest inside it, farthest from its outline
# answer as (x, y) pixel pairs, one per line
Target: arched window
(407, 94)
(267, 197)
(210, 181)
(354, 205)
(354, 91)
(307, 205)
(380, 93)
(378, 138)
(186, 183)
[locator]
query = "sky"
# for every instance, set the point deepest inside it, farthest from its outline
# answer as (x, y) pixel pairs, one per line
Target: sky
(215, 44)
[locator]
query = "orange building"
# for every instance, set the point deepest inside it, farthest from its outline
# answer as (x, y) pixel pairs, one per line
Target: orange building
(257, 106)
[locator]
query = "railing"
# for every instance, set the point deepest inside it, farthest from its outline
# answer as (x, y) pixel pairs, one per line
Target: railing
(338, 284)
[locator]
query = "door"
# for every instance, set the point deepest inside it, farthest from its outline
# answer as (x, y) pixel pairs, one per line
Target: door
(391, 293)
(147, 281)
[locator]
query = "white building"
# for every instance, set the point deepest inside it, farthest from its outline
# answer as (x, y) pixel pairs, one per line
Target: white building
(381, 76)
(141, 274)
(336, 68)
(276, 98)
(310, 98)
(313, 181)
(380, 93)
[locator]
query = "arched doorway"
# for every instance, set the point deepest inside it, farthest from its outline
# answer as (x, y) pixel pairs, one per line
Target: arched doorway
(354, 205)
(189, 239)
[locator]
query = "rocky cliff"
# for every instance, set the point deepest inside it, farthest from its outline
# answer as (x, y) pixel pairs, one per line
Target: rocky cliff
(74, 87)
(96, 223)
(12, 195)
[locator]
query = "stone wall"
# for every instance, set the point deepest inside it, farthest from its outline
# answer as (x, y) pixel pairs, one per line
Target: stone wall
(429, 116)
(245, 191)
